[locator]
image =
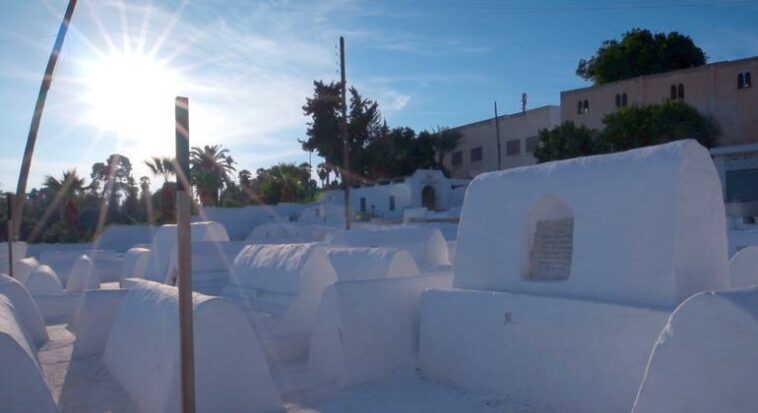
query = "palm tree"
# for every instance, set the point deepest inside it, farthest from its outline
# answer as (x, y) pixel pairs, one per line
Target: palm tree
(162, 167)
(210, 169)
(65, 191)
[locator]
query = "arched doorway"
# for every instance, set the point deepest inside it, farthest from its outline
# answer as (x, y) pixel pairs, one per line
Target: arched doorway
(429, 198)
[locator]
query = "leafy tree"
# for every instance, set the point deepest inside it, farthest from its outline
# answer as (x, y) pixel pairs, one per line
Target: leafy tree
(637, 126)
(364, 123)
(445, 140)
(210, 170)
(114, 176)
(323, 133)
(640, 52)
(568, 141)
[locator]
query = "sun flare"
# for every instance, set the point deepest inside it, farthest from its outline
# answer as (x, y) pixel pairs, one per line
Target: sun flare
(130, 94)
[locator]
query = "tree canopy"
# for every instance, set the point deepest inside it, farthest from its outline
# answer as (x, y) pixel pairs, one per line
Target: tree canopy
(629, 128)
(376, 150)
(636, 126)
(640, 52)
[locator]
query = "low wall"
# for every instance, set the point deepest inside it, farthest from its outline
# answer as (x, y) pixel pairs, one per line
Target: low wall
(120, 238)
(142, 354)
(367, 329)
(706, 359)
(550, 353)
(27, 312)
(22, 387)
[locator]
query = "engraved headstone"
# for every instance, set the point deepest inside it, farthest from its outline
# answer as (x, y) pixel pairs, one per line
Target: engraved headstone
(550, 257)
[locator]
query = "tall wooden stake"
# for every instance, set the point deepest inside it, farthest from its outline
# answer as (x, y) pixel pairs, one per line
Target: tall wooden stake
(9, 225)
(497, 133)
(26, 162)
(343, 132)
(184, 258)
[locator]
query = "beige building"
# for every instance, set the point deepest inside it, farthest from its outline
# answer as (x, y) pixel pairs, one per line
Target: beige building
(477, 152)
(724, 90)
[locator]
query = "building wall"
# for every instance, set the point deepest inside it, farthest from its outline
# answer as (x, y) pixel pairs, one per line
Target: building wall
(712, 89)
(407, 193)
(518, 127)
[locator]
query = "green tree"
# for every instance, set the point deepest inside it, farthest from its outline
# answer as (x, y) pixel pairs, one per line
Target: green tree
(323, 133)
(568, 141)
(638, 126)
(210, 170)
(114, 176)
(640, 52)
(445, 140)
(364, 123)
(286, 182)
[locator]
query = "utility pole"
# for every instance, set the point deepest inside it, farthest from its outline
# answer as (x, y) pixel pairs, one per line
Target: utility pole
(343, 130)
(184, 256)
(497, 134)
(26, 162)
(9, 225)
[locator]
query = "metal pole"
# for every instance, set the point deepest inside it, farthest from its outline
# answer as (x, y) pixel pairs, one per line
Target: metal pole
(184, 258)
(26, 162)
(497, 133)
(343, 130)
(9, 225)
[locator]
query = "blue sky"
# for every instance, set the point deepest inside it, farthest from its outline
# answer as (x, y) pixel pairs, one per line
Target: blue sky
(247, 66)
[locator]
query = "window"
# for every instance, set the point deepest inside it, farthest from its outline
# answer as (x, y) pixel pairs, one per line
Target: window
(586, 106)
(623, 100)
(677, 92)
(476, 154)
(744, 80)
(618, 100)
(579, 107)
(363, 204)
(532, 143)
(513, 147)
(392, 202)
(456, 158)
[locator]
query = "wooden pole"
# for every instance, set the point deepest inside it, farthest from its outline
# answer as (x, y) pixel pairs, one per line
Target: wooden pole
(343, 131)
(10, 229)
(497, 134)
(26, 162)
(184, 258)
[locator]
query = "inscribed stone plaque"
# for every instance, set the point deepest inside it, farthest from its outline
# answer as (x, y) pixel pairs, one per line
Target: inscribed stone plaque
(550, 257)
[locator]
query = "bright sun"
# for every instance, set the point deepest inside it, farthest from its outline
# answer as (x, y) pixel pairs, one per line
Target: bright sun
(130, 94)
